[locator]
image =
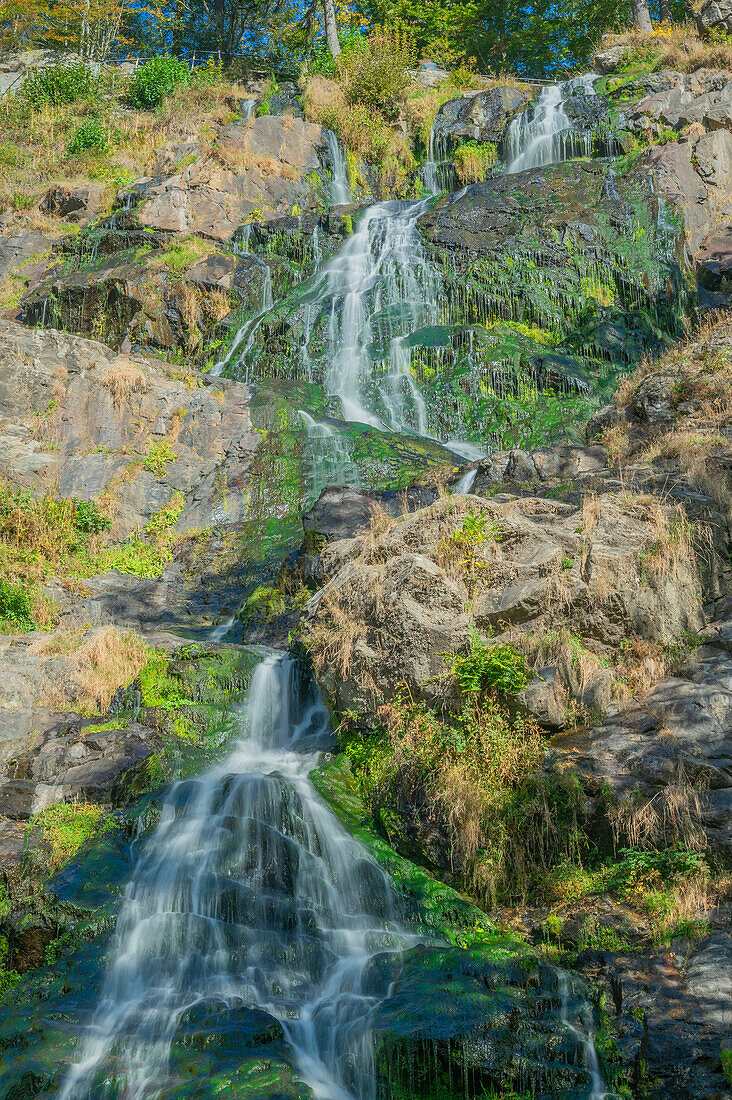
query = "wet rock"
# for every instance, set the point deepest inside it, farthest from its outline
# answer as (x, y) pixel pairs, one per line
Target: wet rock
(131, 300)
(673, 165)
(714, 263)
(665, 1039)
(74, 204)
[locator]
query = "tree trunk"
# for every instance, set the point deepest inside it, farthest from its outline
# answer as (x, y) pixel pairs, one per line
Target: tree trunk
(641, 15)
(331, 28)
(664, 11)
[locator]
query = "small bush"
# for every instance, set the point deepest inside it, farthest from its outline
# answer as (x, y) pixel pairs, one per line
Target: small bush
(498, 666)
(159, 454)
(92, 134)
(474, 160)
(21, 200)
(157, 79)
(58, 84)
(16, 606)
(378, 76)
(88, 518)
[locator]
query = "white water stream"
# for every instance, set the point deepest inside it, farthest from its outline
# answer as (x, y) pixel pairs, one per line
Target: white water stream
(249, 893)
(544, 133)
(340, 189)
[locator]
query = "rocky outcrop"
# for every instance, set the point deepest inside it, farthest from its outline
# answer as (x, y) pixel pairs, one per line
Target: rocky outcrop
(714, 15)
(78, 417)
(406, 598)
(135, 300)
(255, 167)
(676, 738)
(74, 204)
(480, 116)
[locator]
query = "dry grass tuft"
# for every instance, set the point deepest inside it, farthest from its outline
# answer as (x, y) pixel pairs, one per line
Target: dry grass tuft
(123, 378)
(104, 659)
(677, 46)
(671, 817)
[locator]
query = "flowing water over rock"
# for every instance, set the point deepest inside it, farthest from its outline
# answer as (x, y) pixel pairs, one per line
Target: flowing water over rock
(340, 190)
(544, 132)
(248, 893)
(371, 295)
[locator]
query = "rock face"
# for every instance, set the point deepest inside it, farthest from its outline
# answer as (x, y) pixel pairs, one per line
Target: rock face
(101, 415)
(677, 737)
(74, 766)
(75, 204)
(480, 116)
(259, 165)
(128, 299)
(542, 566)
(714, 14)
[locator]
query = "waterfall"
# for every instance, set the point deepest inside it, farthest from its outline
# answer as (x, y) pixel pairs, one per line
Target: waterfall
(582, 1035)
(376, 291)
(438, 172)
(543, 133)
(247, 106)
(328, 457)
(466, 482)
(249, 894)
(340, 191)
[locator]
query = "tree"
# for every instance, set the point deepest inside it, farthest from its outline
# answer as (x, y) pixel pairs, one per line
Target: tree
(641, 15)
(331, 27)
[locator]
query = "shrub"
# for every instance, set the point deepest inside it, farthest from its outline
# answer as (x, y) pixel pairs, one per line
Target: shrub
(378, 76)
(159, 454)
(92, 134)
(58, 84)
(157, 79)
(16, 606)
(491, 665)
(468, 796)
(88, 519)
(474, 160)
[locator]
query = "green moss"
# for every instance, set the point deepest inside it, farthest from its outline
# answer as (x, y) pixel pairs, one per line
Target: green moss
(726, 1058)
(437, 905)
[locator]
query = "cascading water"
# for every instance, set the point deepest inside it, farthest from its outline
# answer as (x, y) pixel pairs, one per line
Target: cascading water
(327, 456)
(247, 108)
(377, 290)
(340, 189)
(249, 893)
(438, 171)
(544, 133)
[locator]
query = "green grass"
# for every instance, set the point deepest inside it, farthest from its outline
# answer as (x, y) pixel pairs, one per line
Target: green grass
(158, 455)
(66, 826)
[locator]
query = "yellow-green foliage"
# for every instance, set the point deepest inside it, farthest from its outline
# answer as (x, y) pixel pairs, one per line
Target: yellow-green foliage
(157, 457)
(68, 825)
(162, 523)
(476, 783)
(474, 160)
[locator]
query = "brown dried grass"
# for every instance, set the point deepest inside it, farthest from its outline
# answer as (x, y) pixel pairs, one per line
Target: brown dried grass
(123, 378)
